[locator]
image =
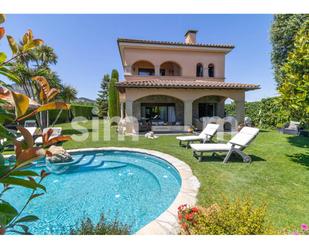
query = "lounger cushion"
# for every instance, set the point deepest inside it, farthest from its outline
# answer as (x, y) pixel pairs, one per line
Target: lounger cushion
(189, 138)
(209, 131)
(245, 136)
(211, 147)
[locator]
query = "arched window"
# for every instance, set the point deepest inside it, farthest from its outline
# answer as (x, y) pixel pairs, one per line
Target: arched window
(199, 70)
(211, 70)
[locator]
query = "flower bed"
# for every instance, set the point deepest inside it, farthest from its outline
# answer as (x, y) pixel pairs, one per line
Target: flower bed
(238, 217)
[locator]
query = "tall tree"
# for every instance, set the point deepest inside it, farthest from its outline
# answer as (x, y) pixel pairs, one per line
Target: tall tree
(283, 30)
(112, 98)
(294, 78)
(68, 94)
(115, 75)
(102, 98)
(44, 56)
(36, 62)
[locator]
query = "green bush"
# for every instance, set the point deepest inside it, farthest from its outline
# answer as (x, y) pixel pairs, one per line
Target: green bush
(63, 118)
(82, 110)
(230, 218)
(76, 111)
(101, 228)
(267, 113)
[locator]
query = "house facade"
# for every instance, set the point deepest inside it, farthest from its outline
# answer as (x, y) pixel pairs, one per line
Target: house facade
(177, 83)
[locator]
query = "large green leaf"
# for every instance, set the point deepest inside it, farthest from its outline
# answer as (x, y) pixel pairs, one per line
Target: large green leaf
(3, 56)
(28, 218)
(7, 212)
(7, 73)
(47, 107)
(1, 161)
(21, 103)
(5, 133)
(22, 182)
(24, 173)
(4, 169)
(32, 44)
(25, 229)
(13, 44)
(6, 116)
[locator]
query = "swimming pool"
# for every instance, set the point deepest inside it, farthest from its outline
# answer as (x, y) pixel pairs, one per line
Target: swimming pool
(132, 187)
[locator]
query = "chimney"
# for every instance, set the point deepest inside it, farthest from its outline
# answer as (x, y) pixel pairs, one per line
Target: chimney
(190, 37)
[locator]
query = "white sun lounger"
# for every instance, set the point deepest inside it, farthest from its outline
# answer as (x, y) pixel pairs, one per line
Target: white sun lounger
(236, 145)
(56, 133)
(205, 136)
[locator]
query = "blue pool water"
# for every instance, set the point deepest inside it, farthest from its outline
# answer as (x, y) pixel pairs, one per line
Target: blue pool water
(133, 187)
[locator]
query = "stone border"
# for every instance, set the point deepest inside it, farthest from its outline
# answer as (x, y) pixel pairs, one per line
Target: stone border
(167, 222)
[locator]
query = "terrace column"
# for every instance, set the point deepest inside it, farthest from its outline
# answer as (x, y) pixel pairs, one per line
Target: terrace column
(121, 110)
(129, 108)
(240, 111)
(220, 108)
(157, 70)
(188, 112)
(128, 70)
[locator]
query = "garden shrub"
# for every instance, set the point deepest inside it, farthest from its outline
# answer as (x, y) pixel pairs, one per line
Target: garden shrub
(103, 227)
(267, 113)
(63, 118)
(82, 110)
(239, 217)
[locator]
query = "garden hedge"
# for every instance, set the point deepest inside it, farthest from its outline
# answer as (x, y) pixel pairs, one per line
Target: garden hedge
(76, 111)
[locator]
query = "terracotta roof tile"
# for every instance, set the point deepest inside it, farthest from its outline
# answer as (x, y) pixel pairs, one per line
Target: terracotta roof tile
(174, 43)
(198, 84)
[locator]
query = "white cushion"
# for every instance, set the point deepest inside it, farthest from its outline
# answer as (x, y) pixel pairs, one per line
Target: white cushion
(31, 130)
(211, 147)
(245, 136)
(210, 130)
(189, 138)
(56, 131)
(294, 125)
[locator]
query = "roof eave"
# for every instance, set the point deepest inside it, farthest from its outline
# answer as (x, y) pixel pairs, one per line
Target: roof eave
(119, 85)
(125, 41)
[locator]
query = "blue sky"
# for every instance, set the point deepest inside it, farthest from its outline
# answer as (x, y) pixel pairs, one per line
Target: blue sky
(87, 44)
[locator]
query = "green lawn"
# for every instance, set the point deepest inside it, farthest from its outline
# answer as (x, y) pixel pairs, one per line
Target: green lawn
(278, 175)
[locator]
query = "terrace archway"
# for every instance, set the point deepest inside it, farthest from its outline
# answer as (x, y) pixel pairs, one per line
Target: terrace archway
(143, 68)
(160, 109)
(170, 68)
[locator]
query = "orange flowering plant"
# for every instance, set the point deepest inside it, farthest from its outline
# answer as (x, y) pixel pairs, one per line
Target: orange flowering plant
(187, 216)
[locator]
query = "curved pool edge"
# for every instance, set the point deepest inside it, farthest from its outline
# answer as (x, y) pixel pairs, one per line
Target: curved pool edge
(167, 222)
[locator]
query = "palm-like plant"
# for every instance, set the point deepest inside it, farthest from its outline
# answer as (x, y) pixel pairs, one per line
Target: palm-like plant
(44, 56)
(36, 63)
(68, 94)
